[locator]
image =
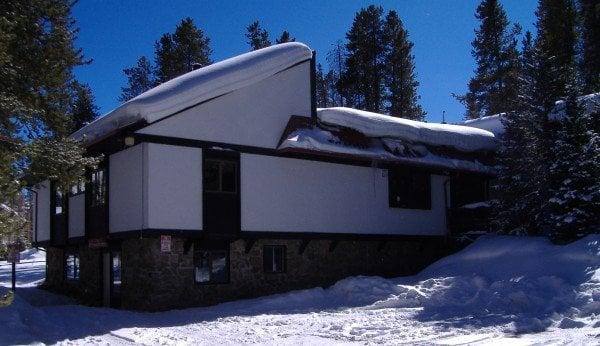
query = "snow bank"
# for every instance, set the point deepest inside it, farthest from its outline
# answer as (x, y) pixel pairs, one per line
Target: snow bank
(197, 86)
(379, 125)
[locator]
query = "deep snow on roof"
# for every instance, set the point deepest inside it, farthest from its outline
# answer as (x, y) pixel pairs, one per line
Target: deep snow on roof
(490, 123)
(459, 137)
(197, 86)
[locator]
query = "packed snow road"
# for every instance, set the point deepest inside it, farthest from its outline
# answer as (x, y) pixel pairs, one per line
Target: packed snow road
(499, 290)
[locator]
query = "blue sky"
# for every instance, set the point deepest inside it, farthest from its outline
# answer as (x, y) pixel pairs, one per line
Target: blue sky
(115, 33)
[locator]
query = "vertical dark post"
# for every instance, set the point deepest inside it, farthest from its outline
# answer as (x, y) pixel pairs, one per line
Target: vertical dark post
(14, 275)
(313, 85)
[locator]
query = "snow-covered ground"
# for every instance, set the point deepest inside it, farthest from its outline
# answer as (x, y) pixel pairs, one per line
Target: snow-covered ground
(499, 290)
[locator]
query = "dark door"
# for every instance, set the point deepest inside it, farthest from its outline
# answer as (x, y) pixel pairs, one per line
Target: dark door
(221, 193)
(96, 200)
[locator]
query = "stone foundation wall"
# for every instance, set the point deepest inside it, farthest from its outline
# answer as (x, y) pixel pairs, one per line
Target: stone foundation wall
(88, 288)
(152, 280)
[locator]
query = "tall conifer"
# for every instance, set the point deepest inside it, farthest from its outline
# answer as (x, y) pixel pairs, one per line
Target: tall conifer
(493, 88)
(590, 45)
(400, 79)
(257, 36)
(140, 78)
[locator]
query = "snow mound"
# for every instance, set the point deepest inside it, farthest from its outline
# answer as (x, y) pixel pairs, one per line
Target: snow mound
(197, 86)
(378, 125)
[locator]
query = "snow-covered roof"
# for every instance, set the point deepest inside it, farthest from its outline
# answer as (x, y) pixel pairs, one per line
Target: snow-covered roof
(490, 123)
(197, 86)
(461, 138)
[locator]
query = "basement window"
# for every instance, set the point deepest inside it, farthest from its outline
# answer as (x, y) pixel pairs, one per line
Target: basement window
(274, 258)
(72, 266)
(211, 263)
(409, 189)
(98, 184)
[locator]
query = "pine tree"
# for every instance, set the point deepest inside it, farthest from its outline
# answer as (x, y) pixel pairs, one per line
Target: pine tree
(361, 82)
(590, 45)
(37, 57)
(493, 88)
(179, 53)
(573, 207)
(140, 78)
(322, 89)
(84, 109)
(555, 46)
(517, 183)
(285, 37)
(257, 37)
(336, 58)
(400, 78)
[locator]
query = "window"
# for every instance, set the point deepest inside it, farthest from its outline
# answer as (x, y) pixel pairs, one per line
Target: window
(72, 266)
(274, 258)
(220, 176)
(98, 185)
(59, 202)
(78, 188)
(211, 264)
(116, 273)
(409, 189)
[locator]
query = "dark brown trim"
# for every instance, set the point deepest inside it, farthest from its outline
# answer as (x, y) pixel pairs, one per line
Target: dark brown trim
(254, 235)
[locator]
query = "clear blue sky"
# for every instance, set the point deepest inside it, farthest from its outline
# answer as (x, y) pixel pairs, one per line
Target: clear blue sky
(115, 33)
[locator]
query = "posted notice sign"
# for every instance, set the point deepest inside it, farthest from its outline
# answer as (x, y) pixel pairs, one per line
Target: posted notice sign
(165, 243)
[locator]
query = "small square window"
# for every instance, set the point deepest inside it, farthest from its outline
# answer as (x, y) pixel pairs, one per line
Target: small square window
(211, 265)
(409, 189)
(274, 260)
(220, 176)
(72, 266)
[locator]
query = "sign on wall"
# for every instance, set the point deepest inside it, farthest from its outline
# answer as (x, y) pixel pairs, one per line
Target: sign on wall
(165, 243)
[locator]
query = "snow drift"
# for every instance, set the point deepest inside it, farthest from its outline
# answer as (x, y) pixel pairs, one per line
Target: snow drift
(495, 288)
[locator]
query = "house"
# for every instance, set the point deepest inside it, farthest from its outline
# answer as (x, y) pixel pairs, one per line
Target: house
(228, 182)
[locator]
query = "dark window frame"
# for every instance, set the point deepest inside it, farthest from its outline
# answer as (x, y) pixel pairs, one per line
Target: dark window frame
(272, 248)
(76, 266)
(220, 163)
(409, 189)
(60, 201)
(77, 189)
(98, 188)
(208, 252)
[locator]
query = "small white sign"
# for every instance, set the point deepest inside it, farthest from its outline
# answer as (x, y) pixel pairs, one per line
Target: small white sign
(165, 243)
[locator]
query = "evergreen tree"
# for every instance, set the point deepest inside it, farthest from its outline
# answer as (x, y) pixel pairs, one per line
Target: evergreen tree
(37, 57)
(555, 48)
(590, 45)
(140, 78)
(400, 78)
(493, 88)
(84, 109)
(361, 82)
(573, 207)
(336, 58)
(257, 37)
(517, 183)
(285, 37)
(322, 90)
(179, 53)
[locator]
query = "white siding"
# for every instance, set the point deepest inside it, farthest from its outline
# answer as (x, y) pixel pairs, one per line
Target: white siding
(281, 194)
(43, 211)
(255, 115)
(174, 187)
(126, 190)
(76, 216)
